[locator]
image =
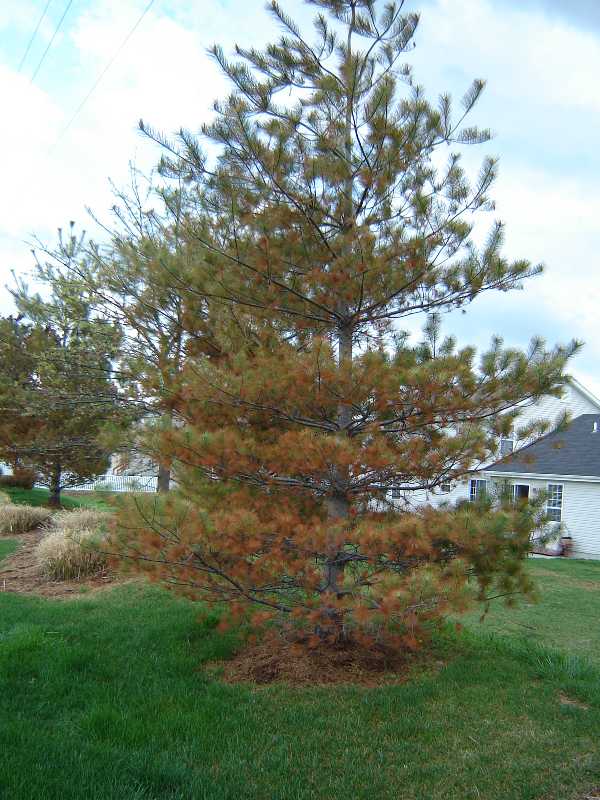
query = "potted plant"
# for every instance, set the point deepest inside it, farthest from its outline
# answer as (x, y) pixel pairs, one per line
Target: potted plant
(566, 542)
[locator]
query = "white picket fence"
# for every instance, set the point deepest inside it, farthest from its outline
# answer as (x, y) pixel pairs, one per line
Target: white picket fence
(119, 483)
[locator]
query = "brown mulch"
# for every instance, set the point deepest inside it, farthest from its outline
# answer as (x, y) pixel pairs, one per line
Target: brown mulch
(20, 573)
(275, 660)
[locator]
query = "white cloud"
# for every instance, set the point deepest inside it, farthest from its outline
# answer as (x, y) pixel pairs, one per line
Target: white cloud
(163, 75)
(550, 219)
(20, 14)
(526, 54)
(543, 102)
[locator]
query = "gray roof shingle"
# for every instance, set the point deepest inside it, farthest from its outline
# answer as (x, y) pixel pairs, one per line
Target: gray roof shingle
(572, 451)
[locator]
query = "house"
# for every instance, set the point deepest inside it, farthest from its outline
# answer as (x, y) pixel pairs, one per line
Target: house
(575, 400)
(566, 465)
(576, 493)
(132, 463)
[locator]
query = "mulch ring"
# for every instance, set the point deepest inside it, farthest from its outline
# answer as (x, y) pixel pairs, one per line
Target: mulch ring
(20, 573)
(274, 660)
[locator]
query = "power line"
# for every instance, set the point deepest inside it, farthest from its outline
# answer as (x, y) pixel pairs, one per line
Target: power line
(33, 35)
(103, 73)
(56, 30)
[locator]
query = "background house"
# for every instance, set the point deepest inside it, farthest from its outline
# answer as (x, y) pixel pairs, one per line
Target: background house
(567, 468)
(576, 400)
(565, 465)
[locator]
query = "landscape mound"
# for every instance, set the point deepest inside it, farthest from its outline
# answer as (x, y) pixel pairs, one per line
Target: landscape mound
(273, 659)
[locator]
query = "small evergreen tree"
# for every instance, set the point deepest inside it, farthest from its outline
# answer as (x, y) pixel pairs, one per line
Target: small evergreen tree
(19, 343)
(56, 410)
(322, 225)
(137, 281)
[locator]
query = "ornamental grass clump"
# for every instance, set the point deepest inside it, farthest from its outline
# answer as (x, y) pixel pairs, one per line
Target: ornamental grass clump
(72, 549)
(65, 556)
(81, 519)
(21, 518)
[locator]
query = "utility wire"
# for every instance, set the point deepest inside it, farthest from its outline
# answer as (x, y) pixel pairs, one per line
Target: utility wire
(33, 35)
(56, 30)
(103, 73)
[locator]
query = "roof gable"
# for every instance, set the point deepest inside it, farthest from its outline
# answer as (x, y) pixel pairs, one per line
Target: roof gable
(575, 450)
(584, 392)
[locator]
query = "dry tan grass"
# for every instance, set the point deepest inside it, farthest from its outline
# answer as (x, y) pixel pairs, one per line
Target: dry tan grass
(80, 519)
(4, 499)
(65, 555)
(20, 518)
(72, 547)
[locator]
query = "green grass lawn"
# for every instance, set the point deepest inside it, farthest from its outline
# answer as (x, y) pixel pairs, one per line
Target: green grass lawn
(39, 497)
(567, 614)
(106, 697)
(7, 546)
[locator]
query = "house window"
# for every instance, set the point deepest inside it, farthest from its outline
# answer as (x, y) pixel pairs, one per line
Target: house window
(477, 490)
(507, 445)
(396, 494)
(554, 502)
(445, 488)
(520, 492)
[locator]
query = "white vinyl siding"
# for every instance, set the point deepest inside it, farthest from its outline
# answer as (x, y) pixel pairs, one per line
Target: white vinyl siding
(548, 408)
(551, 408)
(580, 510)
(581, 517)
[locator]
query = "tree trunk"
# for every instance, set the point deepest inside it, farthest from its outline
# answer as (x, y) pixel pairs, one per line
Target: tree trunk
(338, 504)
(338, 509)
(55, 486)
(163, 484)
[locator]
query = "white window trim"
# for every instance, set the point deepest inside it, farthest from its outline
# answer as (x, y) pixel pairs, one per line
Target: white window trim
(560, 508)
(473, 493)
(520, 483)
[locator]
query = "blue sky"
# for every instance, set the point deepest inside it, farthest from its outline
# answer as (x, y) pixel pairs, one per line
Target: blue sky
(541, 59)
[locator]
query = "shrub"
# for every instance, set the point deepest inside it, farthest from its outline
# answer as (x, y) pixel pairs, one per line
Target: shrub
(72, 547)
(21, 518)
(80, 519)
(63, 556)
(21, 479)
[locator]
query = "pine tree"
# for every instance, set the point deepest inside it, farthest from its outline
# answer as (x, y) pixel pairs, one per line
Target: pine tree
(19, 344)
(321, 226)
(58, 408)
(136, 280)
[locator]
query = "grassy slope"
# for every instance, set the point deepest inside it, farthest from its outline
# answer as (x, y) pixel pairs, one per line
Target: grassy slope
(567, 614)
(39, 497)
(101, 697)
